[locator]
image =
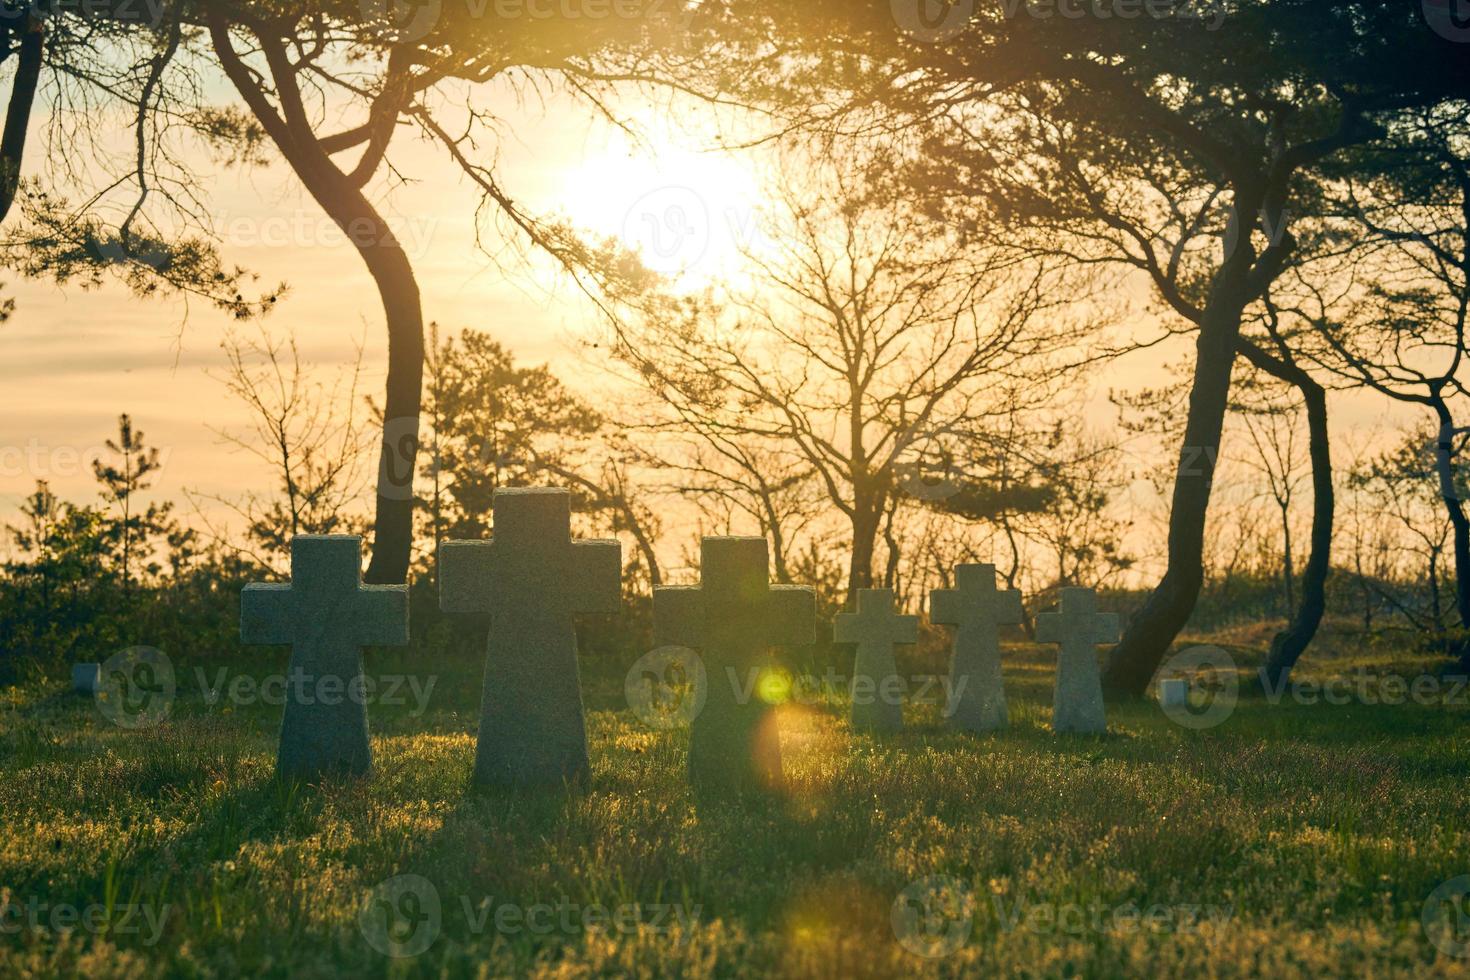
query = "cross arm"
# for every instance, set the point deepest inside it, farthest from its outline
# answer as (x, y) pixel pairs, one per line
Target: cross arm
(678, 615)
(381, 615)
(267, 614)
(466, 576)
(790, 615)
(597, 576)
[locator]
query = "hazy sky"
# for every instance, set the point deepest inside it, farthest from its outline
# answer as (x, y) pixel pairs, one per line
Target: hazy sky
(73, 359)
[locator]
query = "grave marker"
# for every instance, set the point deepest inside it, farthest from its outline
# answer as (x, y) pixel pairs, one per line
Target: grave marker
(734, 617)
(531, 579)
(977, 610)
(875, 627)
(326, 615)
(1078, 627)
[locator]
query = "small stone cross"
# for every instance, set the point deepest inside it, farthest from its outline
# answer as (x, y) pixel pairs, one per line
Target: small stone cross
(977, 610)
(877, 698)
(531, 579)
(734, 617)
(326, 615)
(1078, 627)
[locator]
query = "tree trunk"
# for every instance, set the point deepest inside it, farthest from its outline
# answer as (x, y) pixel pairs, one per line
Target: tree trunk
(343, 201)
(1444, 465)
(18, 114)
(864, 545)
(1132, 662)
(1288, 644)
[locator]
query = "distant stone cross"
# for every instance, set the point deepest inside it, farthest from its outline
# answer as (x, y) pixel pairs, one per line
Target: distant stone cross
(1079, 628)
(532, 580)
(877, 698)
(734, 617)
(326, 615)
(977, 610)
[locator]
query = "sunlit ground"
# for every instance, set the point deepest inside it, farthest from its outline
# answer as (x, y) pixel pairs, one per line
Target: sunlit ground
(1291, 840)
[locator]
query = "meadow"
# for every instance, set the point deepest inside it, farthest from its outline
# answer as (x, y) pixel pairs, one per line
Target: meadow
(1295, 838)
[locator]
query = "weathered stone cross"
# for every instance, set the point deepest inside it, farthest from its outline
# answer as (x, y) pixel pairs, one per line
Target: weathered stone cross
(531, 578)
(877, 696)
(1079, 628)
(734, 617)
(977, 610)
(327, 615)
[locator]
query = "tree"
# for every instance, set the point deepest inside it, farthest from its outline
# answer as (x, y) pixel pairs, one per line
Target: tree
(1179, 149)
(1403, 333)
(301, 57)
(869, 330)
(305, 432)
(121, 481)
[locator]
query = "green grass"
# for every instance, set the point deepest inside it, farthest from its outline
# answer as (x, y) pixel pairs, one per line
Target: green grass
(1314, 834)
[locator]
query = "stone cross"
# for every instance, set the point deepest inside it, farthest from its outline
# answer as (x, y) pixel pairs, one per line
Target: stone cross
(1078, 627)
(977, 610)
(877, 700)
(326, 615)
(734, 617)
(532, 580)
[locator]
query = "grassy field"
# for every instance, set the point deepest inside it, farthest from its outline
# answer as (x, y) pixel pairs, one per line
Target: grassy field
(1293, 839)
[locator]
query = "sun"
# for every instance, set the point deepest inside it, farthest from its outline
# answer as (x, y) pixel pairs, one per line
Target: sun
(692, 213)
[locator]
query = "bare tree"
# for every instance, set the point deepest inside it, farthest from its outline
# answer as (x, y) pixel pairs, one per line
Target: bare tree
(870, 330)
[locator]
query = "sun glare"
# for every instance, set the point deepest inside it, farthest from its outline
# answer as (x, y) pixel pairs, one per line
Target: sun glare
(690, 212)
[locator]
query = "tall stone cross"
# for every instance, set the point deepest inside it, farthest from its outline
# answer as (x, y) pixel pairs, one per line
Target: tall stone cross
(532, 580)
(977, 610)
(734, 617)
(326, 615)
(1079, 628)
(877, 699)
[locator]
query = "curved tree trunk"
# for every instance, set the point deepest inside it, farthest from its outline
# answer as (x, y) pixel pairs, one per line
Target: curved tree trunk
(1132, 663)
(1444, 465)
(341, 197)
(31, 49)
(1288, 644)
